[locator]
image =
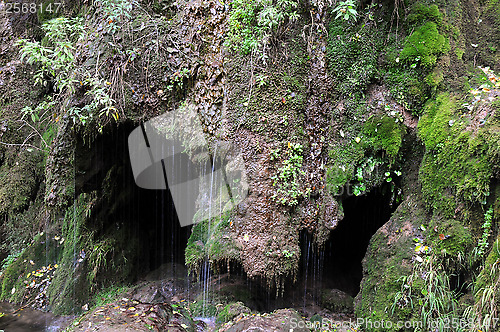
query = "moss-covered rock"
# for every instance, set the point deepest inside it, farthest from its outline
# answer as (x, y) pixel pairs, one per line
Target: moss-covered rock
(424, 45)
(384, 133)
(337, 301)
(387, 261)
(211, 240)
(457, 165)
(231, 311)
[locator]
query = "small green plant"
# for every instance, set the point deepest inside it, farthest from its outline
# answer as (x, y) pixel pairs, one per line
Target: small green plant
(360, 187)
(287, 181)
(115, 12)
(252, 23)
(101, 102)
(482, 245)
(55, 54)
(10, 259)
(346, 10)
(40, 111)
(261, 80)
(177, 79)
(108, 295)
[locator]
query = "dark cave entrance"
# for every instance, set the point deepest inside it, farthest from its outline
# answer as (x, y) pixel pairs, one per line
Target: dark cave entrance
(148, 216)
(339, 264)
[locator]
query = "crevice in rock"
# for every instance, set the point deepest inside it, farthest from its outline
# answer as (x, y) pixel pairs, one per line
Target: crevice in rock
(338, 265)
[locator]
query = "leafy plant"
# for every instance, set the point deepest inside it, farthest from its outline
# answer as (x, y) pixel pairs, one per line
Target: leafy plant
(38, 113)
(177, 79)
(252, 23)
(287, 181)
(482, 245)
(346, 10)
(10, 259)
(115, 12)
(427, 291)
(55, 54)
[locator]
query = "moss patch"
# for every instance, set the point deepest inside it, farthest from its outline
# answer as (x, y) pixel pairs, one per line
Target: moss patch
(211, 239)
(384, 133)
(457, 165)
(424, 45)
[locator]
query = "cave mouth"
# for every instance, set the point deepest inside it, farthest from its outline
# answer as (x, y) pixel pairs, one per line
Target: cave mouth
(148, 216)
(338, 265)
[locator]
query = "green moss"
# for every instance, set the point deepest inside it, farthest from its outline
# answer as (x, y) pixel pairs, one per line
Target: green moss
(434, 78)
(19, 177)
(352, 55)
(344, 160)
(383, 133)
(433, 127)
(424, 44)
(457, 164)
(211, 239)
(231, 311)
(421, 13)
(70, 289)
(406, 87)
(458, 238)
(41, 252)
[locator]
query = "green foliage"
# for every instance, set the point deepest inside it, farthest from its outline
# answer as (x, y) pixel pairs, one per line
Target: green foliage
(288, 179)
(11, 258)
(115, 12)
(425, 44)
(108, 295)
(100, 101)
(177, 79)
(55, 56)
(483, 244)
(231, 311)
(486, 292)
(39, 113)
(384, 133)
(252, 23)
(345, 160)
(352, 55)
(210, 240)
(427, 292)
(421, 13)
(457, 164)
(70, 288)
(346, 10)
